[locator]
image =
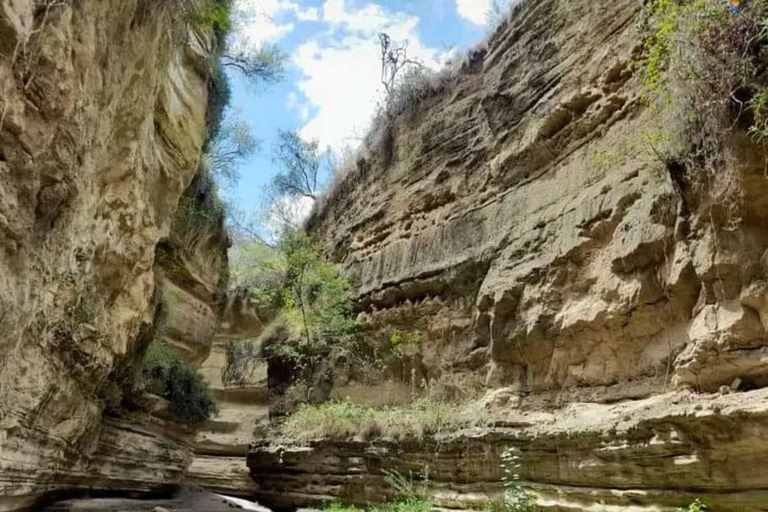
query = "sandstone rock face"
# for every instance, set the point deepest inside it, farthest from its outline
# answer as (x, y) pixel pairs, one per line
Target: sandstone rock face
(647, 455)
(192, 267)
(521, 221)
(528, 231)
(221, 446)
(102, 118)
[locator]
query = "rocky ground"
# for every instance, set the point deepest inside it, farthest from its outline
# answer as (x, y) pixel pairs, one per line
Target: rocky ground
(185, 500)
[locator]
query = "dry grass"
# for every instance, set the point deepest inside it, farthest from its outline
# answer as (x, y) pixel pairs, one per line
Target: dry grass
(343, 420)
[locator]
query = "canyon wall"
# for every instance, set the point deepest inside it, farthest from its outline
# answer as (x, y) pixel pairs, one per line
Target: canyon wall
(221, 445)
(521, 220)
(102, 120)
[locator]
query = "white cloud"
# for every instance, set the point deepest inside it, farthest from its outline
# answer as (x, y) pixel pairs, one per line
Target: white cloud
(311, 14)
(299, 105)
(475, 11)
(341, 68)
(259, 21)
(287, 212)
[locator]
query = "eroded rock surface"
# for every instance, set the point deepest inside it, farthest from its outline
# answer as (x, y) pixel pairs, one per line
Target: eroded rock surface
(646, 455)
(221, 446)
(527, 230)
(522, 222)
(102, 119)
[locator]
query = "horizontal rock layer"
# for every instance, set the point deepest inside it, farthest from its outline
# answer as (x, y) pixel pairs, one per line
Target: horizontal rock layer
(136, 453)
(646, 455)
(221, 446)
(521, 220)
(102, 119)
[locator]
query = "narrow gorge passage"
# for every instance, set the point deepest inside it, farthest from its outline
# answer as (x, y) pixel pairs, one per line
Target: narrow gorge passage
(381, 256)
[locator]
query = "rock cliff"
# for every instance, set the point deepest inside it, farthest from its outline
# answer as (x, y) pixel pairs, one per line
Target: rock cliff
(522, 222)
(221, 446)
(102, 120)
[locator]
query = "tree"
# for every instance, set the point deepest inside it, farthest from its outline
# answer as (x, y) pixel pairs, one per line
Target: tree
(393, 60)
(301, 255)
(302, 164)
(233, 144)
(317, 301)
(263, 64)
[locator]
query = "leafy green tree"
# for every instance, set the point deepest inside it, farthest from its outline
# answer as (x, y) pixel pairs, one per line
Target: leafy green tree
(165, 374)
(318, 295)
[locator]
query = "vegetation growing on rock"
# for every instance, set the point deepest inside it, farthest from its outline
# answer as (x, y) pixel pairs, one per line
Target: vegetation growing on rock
(345, 420)
(164, 374)
(706, 77)
(411, 492)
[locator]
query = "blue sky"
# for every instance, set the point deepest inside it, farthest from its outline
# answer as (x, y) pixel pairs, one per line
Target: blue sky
(332, 84)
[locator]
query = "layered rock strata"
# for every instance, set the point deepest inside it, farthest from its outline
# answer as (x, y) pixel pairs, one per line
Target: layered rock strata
(647, 455)
(522, 221)
(221, 446)
(102, 119)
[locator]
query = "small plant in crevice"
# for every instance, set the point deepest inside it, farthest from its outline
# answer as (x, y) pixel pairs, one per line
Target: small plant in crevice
(409, 484)
(758, 105)
(402, 344)
(696, 506)
(411, 488)
(517, 497)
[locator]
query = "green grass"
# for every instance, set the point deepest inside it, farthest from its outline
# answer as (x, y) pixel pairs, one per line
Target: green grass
(412, 504)
(346, 420)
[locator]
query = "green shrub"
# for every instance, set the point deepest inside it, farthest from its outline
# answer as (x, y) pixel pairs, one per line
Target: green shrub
(407, 484)
(706, 73)
(759, 107)
(404, 343)
(214, 15)
(517, 497)
(219, 96)
(164, 374)
(411, 490)
(316, 307)
(696, 506)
